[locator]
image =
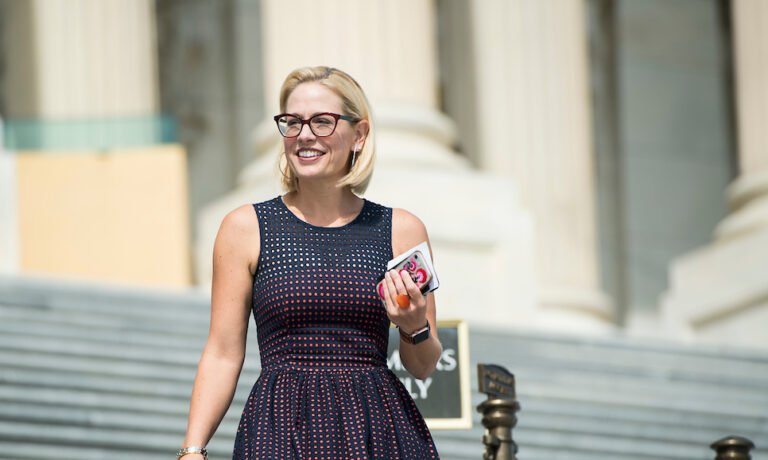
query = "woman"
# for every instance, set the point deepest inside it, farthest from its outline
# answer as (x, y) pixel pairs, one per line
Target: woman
(306, 264)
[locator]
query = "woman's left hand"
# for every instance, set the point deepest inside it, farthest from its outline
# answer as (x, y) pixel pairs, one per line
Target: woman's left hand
(409, 314)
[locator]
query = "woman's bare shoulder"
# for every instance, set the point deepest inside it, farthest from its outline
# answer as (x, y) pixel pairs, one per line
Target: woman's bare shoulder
(242, 218)
(239, 235)
(407, 230)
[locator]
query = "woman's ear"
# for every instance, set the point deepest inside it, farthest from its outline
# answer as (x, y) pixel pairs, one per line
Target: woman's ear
(361, 133)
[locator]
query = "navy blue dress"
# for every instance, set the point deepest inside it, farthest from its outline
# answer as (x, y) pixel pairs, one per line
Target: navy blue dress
(325, 391)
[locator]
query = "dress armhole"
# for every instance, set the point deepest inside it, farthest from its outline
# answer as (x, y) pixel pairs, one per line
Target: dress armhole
(391, 223)
(259, 259)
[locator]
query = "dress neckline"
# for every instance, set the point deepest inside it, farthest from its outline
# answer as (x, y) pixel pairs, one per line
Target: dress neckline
(304, 222)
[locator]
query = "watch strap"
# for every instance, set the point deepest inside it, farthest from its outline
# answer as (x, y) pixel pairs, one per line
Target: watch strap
(416, 336)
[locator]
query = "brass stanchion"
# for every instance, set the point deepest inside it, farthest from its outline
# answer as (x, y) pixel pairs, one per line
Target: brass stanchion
(498, 411)
(733, 448)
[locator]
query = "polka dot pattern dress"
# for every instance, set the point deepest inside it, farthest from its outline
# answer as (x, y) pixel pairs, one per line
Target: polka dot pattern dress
(324, 391)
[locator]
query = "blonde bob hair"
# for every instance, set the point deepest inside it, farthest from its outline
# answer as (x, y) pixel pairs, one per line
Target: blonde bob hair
(354, 104)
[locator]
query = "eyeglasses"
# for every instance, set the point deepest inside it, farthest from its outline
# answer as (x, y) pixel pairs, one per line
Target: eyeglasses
(321, 124)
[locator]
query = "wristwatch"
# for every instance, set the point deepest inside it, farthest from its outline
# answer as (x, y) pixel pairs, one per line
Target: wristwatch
(417, 336)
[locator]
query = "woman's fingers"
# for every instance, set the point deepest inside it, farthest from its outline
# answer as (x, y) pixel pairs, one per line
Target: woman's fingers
(397, 281)
(404, 302)
(390, 295)
(410, 286)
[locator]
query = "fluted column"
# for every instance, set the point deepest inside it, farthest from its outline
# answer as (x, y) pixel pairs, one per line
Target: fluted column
(748, 195)
(534, 125)
(81, 58)
(719, 293)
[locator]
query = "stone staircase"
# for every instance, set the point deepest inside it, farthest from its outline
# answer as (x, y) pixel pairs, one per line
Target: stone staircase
(625, 399)
(102, 372)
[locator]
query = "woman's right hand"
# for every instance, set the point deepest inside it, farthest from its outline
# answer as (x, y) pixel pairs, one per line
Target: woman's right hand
(193, 457)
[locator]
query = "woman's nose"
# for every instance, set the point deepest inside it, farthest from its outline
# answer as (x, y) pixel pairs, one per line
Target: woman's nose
(305, 133)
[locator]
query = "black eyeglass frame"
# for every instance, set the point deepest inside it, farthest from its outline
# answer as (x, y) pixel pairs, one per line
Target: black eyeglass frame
(336, 117)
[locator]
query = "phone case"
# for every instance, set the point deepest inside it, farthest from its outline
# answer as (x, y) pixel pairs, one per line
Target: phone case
(416, 266)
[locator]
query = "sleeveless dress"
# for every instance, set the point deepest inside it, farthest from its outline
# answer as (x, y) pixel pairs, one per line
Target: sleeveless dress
(324, 391)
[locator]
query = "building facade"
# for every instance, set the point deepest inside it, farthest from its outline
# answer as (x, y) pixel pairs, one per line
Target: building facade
(584, 166)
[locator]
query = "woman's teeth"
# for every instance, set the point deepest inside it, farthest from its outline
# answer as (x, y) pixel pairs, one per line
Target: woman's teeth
(309, 153)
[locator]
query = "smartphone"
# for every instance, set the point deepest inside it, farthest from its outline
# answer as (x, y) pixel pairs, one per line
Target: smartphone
(416, 266)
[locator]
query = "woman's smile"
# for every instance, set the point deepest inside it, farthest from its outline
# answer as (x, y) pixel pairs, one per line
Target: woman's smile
(309, 154)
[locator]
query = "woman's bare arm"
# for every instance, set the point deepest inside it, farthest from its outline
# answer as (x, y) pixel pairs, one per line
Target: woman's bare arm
(420, 359)
(235, 256)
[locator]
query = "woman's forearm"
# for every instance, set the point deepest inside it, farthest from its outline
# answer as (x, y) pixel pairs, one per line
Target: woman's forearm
(212, 393)
(420, 359)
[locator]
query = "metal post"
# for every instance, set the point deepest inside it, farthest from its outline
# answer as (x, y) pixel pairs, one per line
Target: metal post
(498, 411)
(733, 448)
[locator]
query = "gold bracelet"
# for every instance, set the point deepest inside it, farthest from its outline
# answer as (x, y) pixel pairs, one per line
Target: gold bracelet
(192, 450)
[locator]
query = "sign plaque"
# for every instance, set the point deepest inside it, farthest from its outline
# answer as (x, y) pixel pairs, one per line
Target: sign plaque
(444, 397)
(496, 382)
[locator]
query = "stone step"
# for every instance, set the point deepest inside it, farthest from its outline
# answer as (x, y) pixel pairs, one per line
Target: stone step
(642, 358)
(620, 443)
(179, 353)
(161, 378)
(606, 446)
(55, 364)
(586, 425)
(640, 414)
(597, 356)
(528, 416)
(82, 300)
(105, 365)
(75, 439)
(50, 292)
(139, 409)
(549, 444)
(139, 315)
(175, 386)
(685, 395)
(53, 396)
(86, 348)
(183, 326)
(175, 400)
(10, 450)
(42, 326)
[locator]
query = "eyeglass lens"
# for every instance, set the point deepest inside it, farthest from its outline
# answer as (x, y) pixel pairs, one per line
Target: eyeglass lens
(321, 125)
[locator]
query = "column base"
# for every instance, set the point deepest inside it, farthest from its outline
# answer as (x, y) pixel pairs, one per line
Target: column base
(719, 293)
(748, 197)
(575, 310)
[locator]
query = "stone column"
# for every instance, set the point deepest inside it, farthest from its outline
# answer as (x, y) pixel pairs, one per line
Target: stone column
(720, 292)
(534, 125)
(82, 81)
(81, 59)
(481, 237)
(748, 195)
